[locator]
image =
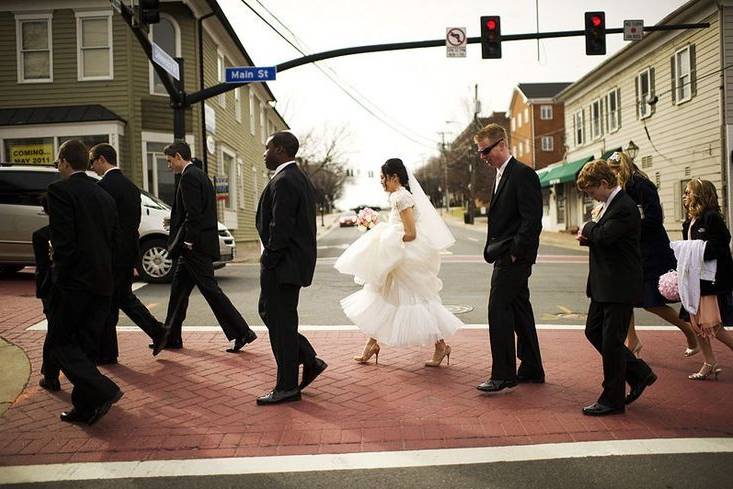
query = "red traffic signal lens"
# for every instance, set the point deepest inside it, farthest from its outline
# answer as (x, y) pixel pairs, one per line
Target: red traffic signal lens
(596, 21)
(491, 24)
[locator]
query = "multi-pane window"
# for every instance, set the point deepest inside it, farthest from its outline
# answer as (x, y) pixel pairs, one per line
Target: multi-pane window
(229, 172)
(613, 110)
(220, 66)
(546, 112)
(644, 91)
(683, 75)
(33, 41)
(94, 45)
(237, 105)
(252, 109)
(596, 114)
(165, 34)
(548, 143)
(579, 127)
(263, 123)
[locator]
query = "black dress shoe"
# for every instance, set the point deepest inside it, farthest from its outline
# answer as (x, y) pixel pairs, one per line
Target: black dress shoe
(310, 374)
(523, 379)
(597, 409)
(276, 397)
(103, 408)
(161, 341)
(239, 343)
(168, 346)
(52, 385)
(75, 416)
(638, 389)
(492, 385)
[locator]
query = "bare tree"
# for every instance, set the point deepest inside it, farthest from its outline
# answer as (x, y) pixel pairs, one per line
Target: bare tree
(322, 158)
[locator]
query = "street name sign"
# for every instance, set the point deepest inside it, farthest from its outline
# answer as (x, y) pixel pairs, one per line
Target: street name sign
(633, 30)
(239, 74)
(165, 61)
(455, 42)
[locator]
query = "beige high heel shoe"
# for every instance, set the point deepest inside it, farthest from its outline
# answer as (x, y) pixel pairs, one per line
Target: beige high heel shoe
(706, 371)
(438, 357)
(369, 351)
(636, 350)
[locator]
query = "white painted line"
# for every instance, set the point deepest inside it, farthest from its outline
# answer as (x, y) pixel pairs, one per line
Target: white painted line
(43, 326)
(357, 461)
(472, 239)
(138, 285)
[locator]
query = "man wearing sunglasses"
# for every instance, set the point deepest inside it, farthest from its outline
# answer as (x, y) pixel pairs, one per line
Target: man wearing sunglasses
(514, 226)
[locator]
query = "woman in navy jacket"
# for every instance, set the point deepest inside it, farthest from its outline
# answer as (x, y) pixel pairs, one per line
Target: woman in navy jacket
(656, 255)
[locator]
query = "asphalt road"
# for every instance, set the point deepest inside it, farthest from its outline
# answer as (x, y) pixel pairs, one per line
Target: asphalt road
(686, 471)
(557, 286)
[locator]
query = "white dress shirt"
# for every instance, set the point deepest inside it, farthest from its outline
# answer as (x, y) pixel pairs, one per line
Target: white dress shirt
(500, 172)
(282, 167)
(608, 202)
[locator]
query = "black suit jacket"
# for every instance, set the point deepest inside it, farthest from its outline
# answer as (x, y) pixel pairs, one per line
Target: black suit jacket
(615, 273)
(193, 217)
(83, 228)
(127, 199)
(711, 228)
(515, 215)
(286, 223)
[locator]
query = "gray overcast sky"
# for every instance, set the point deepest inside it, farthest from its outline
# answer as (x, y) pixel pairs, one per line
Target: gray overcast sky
(417, 91)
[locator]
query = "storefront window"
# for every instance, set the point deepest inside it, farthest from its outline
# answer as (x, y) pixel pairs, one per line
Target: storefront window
(161, 181)
(560, 202)
(546, 201)
(588, 205)
(30, 151)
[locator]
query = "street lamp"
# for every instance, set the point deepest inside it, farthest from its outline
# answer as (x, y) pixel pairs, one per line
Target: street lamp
(632, 150)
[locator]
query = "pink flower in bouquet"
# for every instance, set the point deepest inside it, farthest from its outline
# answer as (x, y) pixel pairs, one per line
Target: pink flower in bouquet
(367, 219)
(668, 286)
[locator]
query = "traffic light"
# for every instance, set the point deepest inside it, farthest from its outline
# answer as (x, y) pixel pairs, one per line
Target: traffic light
(490, 37)
(148, 12)
(595, 33)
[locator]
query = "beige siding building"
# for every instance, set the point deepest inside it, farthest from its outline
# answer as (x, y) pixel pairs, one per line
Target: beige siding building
(75, 70)
(662, 93)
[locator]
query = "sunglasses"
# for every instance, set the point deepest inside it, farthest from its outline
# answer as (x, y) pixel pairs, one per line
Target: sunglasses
(55, 164)
(488, 149)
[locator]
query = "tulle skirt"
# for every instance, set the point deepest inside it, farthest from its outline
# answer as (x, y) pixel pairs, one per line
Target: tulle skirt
(399, 303)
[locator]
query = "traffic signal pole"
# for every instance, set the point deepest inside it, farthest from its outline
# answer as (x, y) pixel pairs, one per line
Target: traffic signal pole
(180, 101)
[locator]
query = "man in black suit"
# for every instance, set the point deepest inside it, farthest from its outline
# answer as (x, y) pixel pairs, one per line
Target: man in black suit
(103, 161)
(513, 237)
(83, 229)
(194, 244)
(287, 263)
(614, 286)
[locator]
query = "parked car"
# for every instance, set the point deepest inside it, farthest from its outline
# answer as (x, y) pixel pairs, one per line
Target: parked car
(347, 219)
(21, 187)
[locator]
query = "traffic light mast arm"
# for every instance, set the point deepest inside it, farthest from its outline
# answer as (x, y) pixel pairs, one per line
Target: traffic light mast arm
(165, 78)
(215, 90)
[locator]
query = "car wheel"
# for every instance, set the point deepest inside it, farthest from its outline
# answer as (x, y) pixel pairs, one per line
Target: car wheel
(154, 265)
(6, 270)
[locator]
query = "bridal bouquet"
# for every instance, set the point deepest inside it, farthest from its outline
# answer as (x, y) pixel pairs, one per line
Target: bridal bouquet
(668, 286)
(367, 219)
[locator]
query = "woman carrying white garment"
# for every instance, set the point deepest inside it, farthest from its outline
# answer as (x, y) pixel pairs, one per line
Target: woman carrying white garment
(397, 263)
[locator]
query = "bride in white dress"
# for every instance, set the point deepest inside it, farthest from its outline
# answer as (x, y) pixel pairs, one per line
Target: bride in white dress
(397, 263)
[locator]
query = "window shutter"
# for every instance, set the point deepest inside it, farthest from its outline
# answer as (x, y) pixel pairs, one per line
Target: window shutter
(674, 80)
(693, 71)
(652, 90)
(678, 201)
(638, 108)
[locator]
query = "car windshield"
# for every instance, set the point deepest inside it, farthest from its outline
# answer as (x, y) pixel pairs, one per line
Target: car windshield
(151, 200)
(348, 214)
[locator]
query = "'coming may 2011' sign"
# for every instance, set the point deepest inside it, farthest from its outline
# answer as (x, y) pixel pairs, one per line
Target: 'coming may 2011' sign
(34, 154)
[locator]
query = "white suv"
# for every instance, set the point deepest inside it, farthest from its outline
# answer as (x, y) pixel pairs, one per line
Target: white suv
(21, 187)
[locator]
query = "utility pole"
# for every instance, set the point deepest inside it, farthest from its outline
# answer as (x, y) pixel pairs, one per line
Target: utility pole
(444, 154)
(473, 158)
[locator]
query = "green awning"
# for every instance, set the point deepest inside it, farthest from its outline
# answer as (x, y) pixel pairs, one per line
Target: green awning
(563, 173)
(542, 174)
(608, 153)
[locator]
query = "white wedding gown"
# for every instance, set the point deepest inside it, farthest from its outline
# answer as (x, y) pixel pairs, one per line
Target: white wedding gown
(399, 304)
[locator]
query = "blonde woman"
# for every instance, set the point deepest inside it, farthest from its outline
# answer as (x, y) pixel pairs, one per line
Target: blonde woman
(705, 222)
(656, 255)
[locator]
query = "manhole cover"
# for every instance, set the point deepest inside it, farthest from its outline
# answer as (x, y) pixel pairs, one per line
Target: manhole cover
(458, 309)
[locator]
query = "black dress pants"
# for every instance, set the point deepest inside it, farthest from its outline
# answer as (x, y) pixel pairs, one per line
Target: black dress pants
(77, 318)
(124, 299)
(606, 329)
(510, 313)
(278, 308)
(197, 269)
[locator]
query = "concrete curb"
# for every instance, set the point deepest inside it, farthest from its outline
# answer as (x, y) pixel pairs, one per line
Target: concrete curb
(14, 374)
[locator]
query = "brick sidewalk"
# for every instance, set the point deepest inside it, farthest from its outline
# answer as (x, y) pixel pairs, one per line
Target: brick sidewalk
(199, 402)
